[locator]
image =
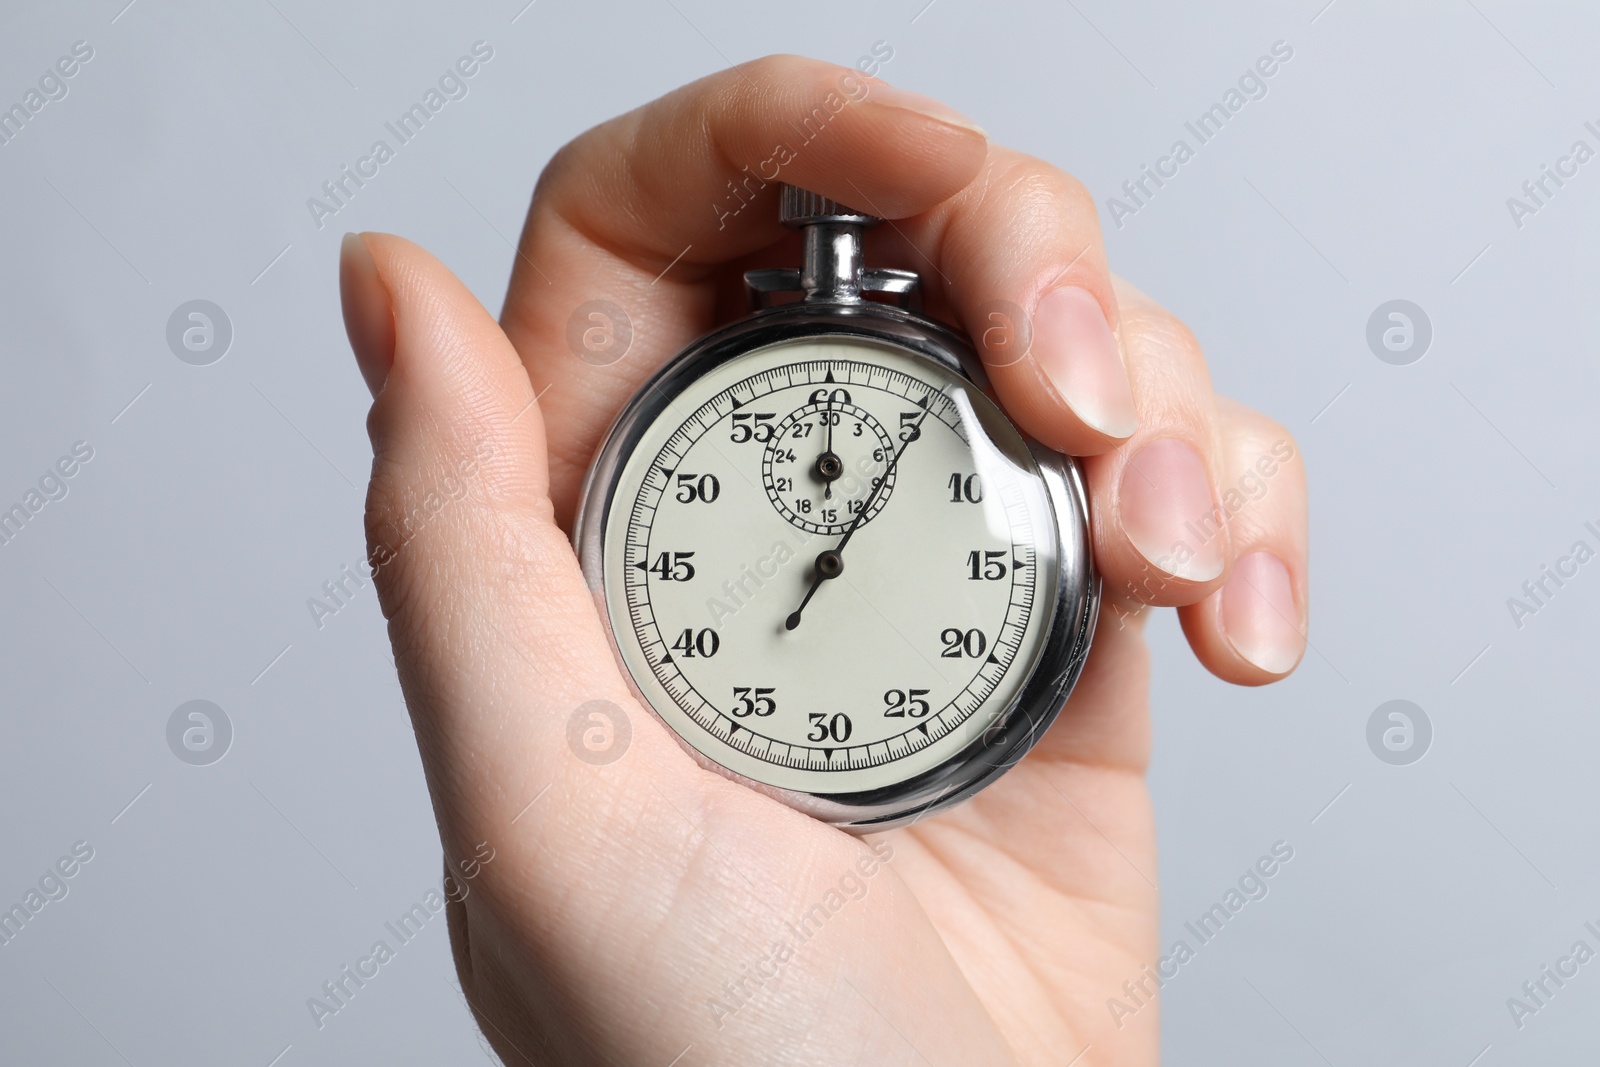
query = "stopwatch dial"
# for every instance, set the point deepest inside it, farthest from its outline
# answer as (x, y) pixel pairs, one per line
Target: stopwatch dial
(824, 462)
(830, 616)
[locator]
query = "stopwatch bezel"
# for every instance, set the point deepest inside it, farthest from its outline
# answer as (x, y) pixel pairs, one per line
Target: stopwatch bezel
(1073, 614)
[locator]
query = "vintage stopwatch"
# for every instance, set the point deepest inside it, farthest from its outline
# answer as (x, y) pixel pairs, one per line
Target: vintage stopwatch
(827, 560)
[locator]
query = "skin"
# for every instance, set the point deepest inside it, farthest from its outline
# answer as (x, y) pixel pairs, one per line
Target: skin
(624, 902)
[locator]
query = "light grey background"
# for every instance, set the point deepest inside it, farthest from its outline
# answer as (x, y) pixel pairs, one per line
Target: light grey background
(178, 566)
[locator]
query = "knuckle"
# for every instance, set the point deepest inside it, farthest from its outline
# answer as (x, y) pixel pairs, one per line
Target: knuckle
(565, 173)
(389, 524)
(1251, 433)
(436, 533)
(1027, 186)
(1164, 351)
(1264, 477)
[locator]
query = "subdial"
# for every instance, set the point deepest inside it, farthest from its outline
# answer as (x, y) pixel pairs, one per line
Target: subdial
(823, 462)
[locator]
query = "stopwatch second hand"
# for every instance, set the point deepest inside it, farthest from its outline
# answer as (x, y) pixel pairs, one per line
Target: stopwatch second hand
(830, 563)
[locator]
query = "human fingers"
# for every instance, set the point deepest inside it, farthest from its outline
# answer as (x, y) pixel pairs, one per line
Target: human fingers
(617, 268)
(1016, 258)
(1252, 630)
(617, 890)
(1160, 528)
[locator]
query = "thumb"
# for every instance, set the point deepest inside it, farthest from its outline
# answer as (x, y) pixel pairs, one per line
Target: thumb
(496, 636)
(644, 866)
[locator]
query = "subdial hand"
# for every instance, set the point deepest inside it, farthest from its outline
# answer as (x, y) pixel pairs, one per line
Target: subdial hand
(830, 562)
(829, 466)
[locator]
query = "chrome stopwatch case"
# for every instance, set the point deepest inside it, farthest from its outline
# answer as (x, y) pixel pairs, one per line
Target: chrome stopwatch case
(827, 560)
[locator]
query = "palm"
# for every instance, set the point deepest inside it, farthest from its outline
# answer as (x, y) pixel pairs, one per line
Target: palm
(1040, 889)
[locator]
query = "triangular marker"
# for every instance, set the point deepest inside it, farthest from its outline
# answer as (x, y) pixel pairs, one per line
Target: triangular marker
(827, 753)
(829, 378)
(992, 659)
(923, 727)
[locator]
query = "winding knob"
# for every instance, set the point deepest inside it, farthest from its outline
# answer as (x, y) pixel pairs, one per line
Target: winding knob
(801, 207)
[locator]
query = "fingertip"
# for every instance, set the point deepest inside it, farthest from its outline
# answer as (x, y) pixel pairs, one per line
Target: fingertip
(1079, 354)
(1251, 631)
(881, 94)
(1035, 404)
(368, 311)
(454, 386)
(439, 332)
(938, 151)
(1069, 389)
(892, 152)
(1259, 615)
(1167, 509)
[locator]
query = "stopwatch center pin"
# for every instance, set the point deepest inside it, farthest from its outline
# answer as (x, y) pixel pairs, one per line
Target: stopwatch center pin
(830, 564)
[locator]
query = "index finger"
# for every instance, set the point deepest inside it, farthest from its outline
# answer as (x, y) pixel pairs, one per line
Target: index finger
(636, 216)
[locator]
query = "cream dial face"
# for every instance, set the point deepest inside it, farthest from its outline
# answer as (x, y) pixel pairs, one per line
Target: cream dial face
(844, 675)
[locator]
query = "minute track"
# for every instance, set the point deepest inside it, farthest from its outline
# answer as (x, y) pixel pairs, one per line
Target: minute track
(746, 395)
(974, 697)
(940, 654)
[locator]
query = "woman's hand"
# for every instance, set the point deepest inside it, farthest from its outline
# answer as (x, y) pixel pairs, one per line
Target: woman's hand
(648, 912)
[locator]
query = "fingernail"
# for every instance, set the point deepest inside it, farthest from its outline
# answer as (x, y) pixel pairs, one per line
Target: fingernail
(368, 311)
(1168, 511)
(880, 92)
(1258, 614)
(1076, 350)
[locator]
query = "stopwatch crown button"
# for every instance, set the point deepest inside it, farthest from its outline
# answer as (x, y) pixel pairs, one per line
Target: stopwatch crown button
(801, 207)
